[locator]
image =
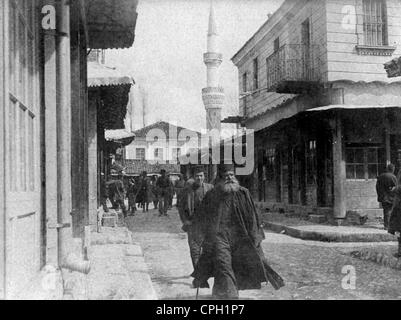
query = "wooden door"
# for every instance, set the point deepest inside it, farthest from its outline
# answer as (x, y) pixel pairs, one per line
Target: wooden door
(22, 144)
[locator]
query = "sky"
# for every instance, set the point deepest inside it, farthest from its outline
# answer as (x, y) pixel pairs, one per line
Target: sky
(166, 59)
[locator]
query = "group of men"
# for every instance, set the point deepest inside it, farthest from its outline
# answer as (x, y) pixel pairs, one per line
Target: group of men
(143, 191)
(224, 235)
(388, 188)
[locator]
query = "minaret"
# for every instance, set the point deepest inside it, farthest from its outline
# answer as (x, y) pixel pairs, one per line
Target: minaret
(213, 95)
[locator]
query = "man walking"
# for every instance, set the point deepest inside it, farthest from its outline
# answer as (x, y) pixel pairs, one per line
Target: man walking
(232, 252)
(385, 184)
(117, 193)
(191, 214)
(164, 187)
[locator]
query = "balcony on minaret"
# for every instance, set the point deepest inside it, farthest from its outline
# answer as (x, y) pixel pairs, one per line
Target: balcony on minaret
(294, 69)
(213, 97)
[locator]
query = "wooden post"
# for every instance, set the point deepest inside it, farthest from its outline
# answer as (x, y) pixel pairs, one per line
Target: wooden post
(64, 130)
(387, 139)
(339, 173)
(76, 137)
(50, 99)
(3, 100)
(92, 163)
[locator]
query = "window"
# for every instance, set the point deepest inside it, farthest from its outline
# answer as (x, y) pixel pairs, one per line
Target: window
(364, 162)
(140, 154)
(23, 92)
(176, 154)
(244, 83)
(158, 154)
(276, 44)
(375, 22)
(244, 91)
(270, 153)
(255, 74)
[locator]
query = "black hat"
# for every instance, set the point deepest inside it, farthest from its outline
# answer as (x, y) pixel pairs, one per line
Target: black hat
(199, 169)
(225, 167)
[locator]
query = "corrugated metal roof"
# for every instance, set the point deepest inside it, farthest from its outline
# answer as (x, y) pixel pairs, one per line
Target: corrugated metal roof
(101, 75)
(350, 107)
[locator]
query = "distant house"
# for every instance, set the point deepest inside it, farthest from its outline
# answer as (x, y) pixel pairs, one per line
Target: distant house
(159, 146)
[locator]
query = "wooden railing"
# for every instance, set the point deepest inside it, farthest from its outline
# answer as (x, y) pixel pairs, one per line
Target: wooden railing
(293, 62)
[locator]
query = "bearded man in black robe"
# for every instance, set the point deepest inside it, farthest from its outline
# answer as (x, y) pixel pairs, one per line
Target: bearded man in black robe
(231, 251)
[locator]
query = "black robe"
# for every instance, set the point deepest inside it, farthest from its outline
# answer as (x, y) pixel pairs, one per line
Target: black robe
(395, 214)
(243, 257)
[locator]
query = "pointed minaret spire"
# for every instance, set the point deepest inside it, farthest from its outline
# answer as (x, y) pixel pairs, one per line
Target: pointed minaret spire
(212, 21)
(213, 95)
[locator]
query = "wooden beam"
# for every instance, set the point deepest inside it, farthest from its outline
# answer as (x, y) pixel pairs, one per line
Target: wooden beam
(3, 101)
(339, 172)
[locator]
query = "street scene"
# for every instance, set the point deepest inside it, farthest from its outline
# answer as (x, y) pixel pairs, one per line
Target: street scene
(200, 150)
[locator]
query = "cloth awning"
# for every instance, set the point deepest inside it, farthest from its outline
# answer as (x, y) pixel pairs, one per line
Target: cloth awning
(111, 23)
(100, 75)
(350, 107)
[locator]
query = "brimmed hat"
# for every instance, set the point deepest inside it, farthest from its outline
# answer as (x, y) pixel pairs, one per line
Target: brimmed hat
(225, 167)
(199, 169)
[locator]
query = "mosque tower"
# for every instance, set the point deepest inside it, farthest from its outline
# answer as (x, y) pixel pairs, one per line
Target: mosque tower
(213, 95)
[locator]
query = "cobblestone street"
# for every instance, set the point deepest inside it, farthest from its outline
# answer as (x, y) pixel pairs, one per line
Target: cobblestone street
(312, 270)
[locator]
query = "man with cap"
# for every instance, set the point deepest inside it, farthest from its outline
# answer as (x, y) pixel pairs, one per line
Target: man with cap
(385, 185)
(192, 210)
(231, 251)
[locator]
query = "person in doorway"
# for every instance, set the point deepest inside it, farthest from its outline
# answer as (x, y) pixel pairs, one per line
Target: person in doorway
(104, 193)
(231, 252)
(386, 182)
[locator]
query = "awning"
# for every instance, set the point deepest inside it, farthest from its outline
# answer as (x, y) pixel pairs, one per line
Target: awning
(111, 23)
(100, 75)
(393, 68)
(112, 135)
(350, 107)
(234, 119)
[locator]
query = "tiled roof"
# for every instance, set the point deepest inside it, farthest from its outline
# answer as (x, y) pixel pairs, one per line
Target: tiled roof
(164, 126)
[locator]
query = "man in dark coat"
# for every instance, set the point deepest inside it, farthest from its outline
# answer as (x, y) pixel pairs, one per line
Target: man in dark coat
(394, 226)
(191, 211)
(117, 193)
(131, 193)
(179, 186)
(164, 186)
(145, 191)
(232, 252)
(385, 184)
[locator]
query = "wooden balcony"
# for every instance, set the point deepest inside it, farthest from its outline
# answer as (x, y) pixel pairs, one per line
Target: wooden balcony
(294, 69)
